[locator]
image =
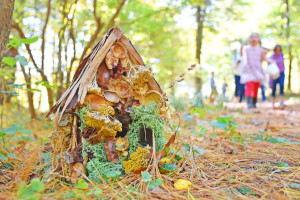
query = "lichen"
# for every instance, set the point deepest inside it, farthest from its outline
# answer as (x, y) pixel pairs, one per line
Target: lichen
(81, 114)
(146, 116)
(103, 122)
(137, 160)
(99, 164)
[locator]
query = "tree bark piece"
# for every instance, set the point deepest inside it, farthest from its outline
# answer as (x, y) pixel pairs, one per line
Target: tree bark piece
(6, 14)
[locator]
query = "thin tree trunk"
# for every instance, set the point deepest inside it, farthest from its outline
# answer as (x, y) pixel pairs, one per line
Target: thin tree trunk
(6, 13)
(43, 75)
(289, 43)
(29, 93)
(200, 16)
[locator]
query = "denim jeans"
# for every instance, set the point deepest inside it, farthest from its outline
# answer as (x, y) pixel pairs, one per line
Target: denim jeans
(279, 81)
(263, 94)
(239, 88)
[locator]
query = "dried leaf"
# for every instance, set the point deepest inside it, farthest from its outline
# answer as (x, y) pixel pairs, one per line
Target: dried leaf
(78, 169)
(110, 150)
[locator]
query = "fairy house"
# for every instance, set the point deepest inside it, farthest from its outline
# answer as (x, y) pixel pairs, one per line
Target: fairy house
(111, 114)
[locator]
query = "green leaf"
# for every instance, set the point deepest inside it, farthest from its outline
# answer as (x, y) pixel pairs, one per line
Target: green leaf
(198, 110)
(25, 131)
(46, 155)
(168, 167)
(15, 42)
(271, 139)
(159, 181)
(22, 60)
(11, 130)
(282, 164)
(23, 192)
(224, 119)
(29, 40)
(11, 61)
(220, 125)
(96, 193)
(156, 183)
(82, 184)
(245, 190)
(2, 157)
(199, 150)
(295, 185)
(36, 185)
(113, 175)
(259, 138)
(12, 155)
(146, 176)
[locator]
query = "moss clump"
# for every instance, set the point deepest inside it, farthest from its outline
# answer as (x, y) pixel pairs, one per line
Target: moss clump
(146, 116)
(96, 167)
(99, 164)
(81, 114)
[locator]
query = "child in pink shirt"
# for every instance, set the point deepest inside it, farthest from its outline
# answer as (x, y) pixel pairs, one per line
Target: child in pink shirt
(252, 72)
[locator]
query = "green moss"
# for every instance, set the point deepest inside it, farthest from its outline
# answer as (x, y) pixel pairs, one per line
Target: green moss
(96, 167)
(146, 116)
(99, 164)
(81, 114)
(96, 149)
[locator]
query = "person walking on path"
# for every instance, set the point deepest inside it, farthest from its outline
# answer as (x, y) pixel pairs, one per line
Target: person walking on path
(278, 58)
(252, 72)
(239, 87)
(213, 88)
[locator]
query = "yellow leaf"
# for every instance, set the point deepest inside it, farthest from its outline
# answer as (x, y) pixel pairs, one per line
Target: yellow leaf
(165, 160)
(182, 184)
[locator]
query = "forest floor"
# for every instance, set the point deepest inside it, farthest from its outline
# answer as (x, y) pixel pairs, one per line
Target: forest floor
(257, 155)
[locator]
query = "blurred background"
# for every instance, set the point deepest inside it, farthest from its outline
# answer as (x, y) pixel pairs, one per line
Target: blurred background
(49, 38)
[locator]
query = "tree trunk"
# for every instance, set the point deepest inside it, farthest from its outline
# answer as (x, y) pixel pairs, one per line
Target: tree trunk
(6, 13)
(29, 92)
(200, 15)
(287, 14)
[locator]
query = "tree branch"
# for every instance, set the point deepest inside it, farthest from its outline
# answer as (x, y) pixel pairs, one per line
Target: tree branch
(95, 34)
(44, 31)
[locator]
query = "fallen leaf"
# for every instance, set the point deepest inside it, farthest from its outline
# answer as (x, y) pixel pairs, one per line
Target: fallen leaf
(110, 150)
(182, 184)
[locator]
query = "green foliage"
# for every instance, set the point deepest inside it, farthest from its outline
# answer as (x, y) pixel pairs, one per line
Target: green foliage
(31, 192)
(147, 177)
(156, 183)
(224, 122)
(168, 167)
(274, 140)
(200, 130)
(81, 114)
(198, 150)
(282, 164)
(11, 131)
(146, 116)
(100, 165)
(245, 190)
(82, 184)
(17, 42)
(200, 111)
